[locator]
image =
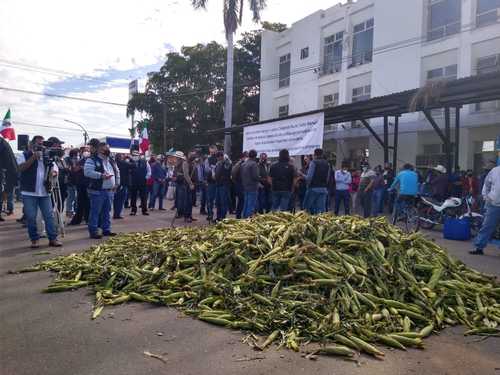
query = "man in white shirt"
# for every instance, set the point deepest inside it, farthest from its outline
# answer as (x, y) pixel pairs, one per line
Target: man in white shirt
(34, 192)
(491, 195)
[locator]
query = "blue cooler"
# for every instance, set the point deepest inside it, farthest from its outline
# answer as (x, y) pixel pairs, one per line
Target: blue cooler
(456, 229)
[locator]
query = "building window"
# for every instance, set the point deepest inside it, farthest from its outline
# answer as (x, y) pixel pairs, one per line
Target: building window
(444, 18)
(284, 75)
(283, 111)
(361, 93)
(488, 64)
(488, 12)
(358, 95)
(331, 100)
(362, 43)
(304, 53)
(447, 73)
(333, 53)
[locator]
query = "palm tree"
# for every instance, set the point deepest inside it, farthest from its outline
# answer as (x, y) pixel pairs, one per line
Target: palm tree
(233, 14)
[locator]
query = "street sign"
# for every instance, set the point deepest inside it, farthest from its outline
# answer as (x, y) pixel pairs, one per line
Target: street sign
(133, 88)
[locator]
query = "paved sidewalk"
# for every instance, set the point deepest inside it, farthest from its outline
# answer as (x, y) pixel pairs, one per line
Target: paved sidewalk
(53, 333)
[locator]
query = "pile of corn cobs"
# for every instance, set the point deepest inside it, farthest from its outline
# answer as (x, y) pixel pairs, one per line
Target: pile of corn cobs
(343, 282)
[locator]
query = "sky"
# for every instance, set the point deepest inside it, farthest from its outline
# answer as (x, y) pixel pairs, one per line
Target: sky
(93, 48)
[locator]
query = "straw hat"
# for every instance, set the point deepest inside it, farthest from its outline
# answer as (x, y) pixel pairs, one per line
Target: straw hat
(179, 155)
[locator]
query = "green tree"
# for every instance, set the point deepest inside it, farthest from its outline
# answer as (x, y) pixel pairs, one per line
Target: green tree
(233, 14)
(185, 99)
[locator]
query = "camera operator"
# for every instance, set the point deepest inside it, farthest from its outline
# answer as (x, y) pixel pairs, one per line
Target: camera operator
(36, 172)
(103, 178)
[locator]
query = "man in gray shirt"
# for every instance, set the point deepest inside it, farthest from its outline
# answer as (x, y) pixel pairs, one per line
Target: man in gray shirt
(103, 176)
(250, 180)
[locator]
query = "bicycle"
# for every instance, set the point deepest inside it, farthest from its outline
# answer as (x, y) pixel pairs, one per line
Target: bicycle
(405, 214)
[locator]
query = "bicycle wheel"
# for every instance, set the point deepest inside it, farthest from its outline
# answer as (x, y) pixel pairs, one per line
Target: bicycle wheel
(426, 218)
(412, 220)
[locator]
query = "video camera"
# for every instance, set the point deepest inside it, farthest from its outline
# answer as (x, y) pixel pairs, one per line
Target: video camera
(49, 151)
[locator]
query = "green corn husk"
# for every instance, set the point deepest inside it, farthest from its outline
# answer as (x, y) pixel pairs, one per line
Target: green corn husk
(294, 278)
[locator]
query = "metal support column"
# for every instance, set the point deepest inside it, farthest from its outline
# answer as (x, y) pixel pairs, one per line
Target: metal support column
(386, 139)
(447, 143)
(396, 140)
(372, 132)
(431, 120)
(457, 138)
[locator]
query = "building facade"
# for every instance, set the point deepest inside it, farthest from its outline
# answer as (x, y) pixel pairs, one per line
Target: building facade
(368, 48)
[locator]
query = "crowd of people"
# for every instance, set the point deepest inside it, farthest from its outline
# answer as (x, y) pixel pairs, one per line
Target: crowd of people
(96, 187)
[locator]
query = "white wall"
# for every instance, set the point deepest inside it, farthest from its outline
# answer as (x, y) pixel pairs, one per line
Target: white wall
(401, 58)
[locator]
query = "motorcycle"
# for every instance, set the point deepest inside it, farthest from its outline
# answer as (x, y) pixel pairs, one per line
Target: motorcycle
(432, 212)
(476, 219)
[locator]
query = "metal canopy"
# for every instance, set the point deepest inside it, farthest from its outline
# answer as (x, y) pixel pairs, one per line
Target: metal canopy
(456, 93)
(447, 94)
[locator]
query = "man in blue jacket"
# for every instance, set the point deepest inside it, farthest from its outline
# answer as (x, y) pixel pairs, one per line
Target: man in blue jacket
(407, 180)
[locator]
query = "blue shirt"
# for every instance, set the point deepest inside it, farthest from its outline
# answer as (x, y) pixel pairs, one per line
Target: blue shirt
(407, 181)
(342, 180)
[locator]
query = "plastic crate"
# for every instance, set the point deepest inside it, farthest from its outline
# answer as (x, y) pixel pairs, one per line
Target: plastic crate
(456, 229)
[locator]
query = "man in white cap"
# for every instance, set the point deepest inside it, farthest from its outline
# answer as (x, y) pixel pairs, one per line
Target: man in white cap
(439, 183)
(491, 195)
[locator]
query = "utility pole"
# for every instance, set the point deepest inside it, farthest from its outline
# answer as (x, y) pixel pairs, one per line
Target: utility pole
(164, 143)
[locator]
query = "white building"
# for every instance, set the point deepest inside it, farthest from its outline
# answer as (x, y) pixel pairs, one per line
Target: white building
(368, 48)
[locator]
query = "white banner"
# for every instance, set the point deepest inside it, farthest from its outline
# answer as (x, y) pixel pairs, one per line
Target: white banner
(299, 135)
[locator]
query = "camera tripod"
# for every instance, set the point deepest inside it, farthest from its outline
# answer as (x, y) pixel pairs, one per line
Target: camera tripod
(52, 185)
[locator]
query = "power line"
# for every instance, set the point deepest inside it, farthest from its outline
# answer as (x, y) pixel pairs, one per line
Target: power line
(50, 71)
(63, 96)
(315, 67)
(66, 129)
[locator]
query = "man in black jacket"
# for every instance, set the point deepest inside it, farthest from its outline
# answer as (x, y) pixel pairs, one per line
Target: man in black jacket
(140, 172)
(123, 165)
(210, 163)
(222, 181)
(8, 169)
(317, 179)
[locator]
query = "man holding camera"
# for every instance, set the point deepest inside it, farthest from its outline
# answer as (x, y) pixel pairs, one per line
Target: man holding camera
(103, 178)
(36, 175)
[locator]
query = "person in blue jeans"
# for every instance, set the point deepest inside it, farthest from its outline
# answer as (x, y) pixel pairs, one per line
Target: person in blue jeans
(123, 164)
(491, 196)
(343, 180)
(250, 179)
(210, 163)
(103, 178)
(282, 178)
(35, 194)
(159, 175)
(378, 192)
(317, 179)
(222, 181)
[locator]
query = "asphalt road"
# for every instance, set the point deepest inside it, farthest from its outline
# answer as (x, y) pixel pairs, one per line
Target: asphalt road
(53, 333)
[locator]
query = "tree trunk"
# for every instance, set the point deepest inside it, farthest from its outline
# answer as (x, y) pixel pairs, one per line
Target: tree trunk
(228, 110)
